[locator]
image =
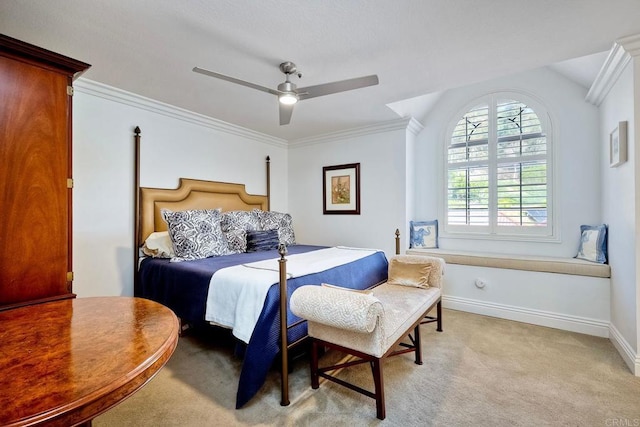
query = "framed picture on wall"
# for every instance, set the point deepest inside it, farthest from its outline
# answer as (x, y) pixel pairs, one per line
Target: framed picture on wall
(341, 189)
(618, 145)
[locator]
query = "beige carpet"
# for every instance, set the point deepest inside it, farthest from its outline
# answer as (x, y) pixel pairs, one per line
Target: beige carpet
(480, 371)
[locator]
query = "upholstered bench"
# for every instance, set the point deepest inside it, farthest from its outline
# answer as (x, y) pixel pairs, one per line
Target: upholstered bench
(372, 324)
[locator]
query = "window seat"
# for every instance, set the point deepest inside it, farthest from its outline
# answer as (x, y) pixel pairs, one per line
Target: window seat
(571, 266)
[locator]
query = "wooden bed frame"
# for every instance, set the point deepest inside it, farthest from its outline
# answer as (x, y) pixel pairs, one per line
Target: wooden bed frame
(198, 194)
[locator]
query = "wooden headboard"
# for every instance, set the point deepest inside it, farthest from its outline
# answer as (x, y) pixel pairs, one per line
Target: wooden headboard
(193, 194)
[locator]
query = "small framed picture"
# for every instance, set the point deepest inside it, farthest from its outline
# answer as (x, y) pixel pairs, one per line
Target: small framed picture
(341, 189)
(618, 145)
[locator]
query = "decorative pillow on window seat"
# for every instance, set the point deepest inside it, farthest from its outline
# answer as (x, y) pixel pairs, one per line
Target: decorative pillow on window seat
(409, 271)
(593, 243)
(423, 234)
(195, 233)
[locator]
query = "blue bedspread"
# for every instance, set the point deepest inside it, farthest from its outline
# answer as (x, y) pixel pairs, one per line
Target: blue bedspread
(183, 287)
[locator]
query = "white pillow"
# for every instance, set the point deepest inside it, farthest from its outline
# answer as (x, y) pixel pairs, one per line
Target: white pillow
(158, 245)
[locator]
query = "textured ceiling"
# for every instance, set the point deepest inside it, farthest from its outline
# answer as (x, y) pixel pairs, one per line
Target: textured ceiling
(417, 48)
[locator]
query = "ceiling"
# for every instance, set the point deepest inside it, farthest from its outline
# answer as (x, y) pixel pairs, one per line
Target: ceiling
(418, 48)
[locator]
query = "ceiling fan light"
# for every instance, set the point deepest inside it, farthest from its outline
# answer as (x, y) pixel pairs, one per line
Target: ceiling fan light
(288, 98)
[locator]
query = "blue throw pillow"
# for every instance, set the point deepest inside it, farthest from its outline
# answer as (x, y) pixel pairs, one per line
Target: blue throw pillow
(424, 234)
(262, 240)
(593, 243)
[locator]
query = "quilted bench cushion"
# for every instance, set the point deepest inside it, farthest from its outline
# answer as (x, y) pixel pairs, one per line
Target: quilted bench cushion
(402, 306)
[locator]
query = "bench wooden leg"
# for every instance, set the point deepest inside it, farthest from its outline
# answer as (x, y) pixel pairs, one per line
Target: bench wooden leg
(416, 343)
(318, 345)
(376, 366)
(437, 318)
(315, 379)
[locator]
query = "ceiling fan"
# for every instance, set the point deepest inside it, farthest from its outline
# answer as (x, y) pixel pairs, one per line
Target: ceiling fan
(289, 95)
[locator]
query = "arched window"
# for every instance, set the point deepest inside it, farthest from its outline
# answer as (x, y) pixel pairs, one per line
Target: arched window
(499, 169)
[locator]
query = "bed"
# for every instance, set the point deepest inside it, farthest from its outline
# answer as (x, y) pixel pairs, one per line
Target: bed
(185, 286)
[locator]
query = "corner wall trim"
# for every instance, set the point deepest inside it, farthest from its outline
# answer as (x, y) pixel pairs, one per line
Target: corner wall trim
(583, 325)
(630, 357)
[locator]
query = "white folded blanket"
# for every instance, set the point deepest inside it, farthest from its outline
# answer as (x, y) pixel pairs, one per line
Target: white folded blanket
(237, 294)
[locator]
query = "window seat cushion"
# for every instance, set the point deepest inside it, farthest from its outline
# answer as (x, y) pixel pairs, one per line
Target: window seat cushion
(571, 266)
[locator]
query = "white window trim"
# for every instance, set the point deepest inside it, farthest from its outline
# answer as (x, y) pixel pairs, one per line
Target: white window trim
(483, 233)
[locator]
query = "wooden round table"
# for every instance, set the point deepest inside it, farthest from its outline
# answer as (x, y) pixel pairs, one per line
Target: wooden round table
(65, 362)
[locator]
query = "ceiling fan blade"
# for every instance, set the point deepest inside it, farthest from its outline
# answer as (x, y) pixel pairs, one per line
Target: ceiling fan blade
(335, 87)
(234, 80)
(285, 113)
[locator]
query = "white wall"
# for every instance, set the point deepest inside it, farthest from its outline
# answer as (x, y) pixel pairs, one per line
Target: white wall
(406, 173)
(562, 301)
(634, 137)
(381, 152)
(575, 134)
(410, 179)
(175, 143)
(619, 208)
(574, 303)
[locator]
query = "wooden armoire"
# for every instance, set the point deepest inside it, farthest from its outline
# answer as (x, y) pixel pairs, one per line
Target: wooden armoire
(35, 173)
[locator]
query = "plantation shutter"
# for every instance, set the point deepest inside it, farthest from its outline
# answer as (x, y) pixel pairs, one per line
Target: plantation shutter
(497, 170)
(468, 157)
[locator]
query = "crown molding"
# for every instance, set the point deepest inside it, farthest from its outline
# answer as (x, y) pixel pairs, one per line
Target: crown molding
(414, 126)
(619, 57)
(631, 44)
(405, 123)
(111, 93)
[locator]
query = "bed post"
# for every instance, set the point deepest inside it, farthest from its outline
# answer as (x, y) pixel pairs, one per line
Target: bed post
(136, 211)
(268, 183)
(284, 341)
(397, 241)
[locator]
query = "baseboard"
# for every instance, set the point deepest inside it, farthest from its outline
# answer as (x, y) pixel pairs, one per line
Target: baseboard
(584, 325)
(630, 357)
